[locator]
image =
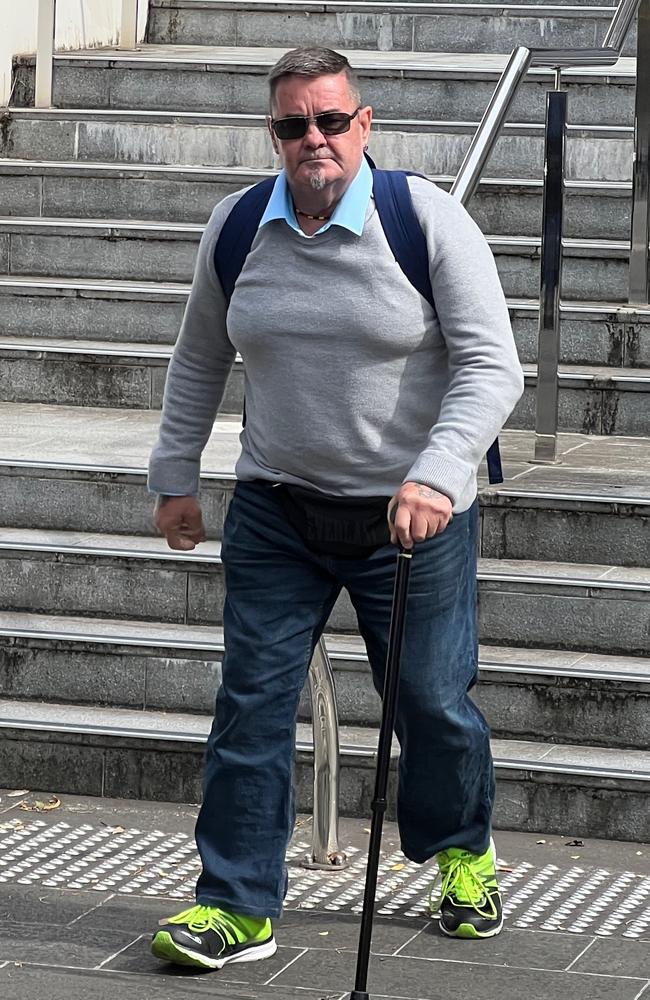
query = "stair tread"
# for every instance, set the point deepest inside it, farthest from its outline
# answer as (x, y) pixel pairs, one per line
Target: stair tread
(150, 229)
(180, 290)
(120, 632)
(62, 284)
(467, 9)
(142, 547)
(158, 116)
(423, 63)
(40, 435)
(352, 739)
(138, 170)
(54, 345)
(130, 349)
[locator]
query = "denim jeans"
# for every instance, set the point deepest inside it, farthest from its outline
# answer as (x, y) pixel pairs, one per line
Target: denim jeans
(279, 597)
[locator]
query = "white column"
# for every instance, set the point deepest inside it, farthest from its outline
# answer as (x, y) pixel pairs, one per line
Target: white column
(129, 24)
(44, 53)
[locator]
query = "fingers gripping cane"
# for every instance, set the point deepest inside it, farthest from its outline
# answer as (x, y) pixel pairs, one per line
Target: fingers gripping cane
(389, 710)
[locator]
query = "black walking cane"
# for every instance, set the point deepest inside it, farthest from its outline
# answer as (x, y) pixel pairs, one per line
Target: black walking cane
(389, 710)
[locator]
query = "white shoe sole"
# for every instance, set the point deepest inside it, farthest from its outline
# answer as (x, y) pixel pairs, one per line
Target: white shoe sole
(253, 954)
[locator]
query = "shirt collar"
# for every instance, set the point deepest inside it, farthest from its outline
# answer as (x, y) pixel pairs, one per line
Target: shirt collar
(350, 213)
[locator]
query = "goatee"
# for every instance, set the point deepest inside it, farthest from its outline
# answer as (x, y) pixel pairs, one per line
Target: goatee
(317, 180)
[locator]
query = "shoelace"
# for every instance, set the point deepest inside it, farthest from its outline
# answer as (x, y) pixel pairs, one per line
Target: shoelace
(463, 882)
(206, 918)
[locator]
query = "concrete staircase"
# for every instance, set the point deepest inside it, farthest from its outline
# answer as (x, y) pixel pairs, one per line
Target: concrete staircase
(110, 643)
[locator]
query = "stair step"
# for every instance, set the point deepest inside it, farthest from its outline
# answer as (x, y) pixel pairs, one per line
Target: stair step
(132, 376)
(508, 206)
(146, 251)
(525, 694)
(397, 84)
(597, 608)
(155, 755)
(69, 309)
(74, 308)
(422, 26)
(67, 468)
(599, 515)
(240, 142)
(94, 373)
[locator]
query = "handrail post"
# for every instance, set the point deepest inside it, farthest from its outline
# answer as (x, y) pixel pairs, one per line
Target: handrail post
(548, 355)
(44, 53)
(490, 127)
(325, 852)
(639, 280)
(129, 25)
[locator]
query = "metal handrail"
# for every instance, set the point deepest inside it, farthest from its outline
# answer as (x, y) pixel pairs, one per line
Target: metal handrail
(480, 149)
(521, 59)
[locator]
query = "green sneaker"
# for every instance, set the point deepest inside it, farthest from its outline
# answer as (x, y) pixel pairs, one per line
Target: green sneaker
(469, 900)
(209, 938)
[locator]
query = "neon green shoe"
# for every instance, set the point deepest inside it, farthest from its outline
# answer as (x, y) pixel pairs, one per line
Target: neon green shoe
(209, 938)
(469, 900)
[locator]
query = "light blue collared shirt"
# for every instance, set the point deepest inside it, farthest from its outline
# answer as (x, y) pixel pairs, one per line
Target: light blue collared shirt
(350, 213)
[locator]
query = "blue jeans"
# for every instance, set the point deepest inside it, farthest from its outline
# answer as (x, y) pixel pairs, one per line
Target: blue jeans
(279, 597)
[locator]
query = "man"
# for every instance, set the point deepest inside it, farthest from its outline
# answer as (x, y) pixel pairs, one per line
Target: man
(356, 389)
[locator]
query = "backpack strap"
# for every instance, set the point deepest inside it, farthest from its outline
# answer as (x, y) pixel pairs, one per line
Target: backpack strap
(402, 228)
(409, 246)
(238, 232)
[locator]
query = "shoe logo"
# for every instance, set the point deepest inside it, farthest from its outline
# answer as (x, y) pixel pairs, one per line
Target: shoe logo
(193, 937)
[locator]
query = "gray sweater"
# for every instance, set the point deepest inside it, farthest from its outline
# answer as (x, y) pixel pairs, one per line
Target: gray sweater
(353, 383)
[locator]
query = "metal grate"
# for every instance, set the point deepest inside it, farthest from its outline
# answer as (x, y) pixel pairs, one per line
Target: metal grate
(153, 863)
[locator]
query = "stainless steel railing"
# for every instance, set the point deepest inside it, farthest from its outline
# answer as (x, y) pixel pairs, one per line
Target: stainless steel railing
(639, 283)
(482, 145)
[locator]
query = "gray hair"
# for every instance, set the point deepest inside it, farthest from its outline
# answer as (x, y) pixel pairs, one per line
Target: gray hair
(311, 62)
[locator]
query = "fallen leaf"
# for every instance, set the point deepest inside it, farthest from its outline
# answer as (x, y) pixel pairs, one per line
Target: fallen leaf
(41, 807)
(323, 933)
(117, 829)
(504, 868)
(14, 825)
(398, 868)
(575, 857)
(575, 843)
(17, 795)
(540, 841)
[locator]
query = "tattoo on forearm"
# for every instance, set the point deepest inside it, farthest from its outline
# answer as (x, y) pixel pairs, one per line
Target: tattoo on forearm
(426, 491)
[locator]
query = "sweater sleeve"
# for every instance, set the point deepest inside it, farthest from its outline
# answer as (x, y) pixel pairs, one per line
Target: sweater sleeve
(197, 374)
(485, 376)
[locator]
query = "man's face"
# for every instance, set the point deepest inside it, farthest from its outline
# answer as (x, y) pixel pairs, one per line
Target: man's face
(316, 161)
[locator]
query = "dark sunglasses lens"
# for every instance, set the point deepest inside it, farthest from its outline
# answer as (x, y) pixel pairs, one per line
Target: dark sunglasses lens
(333, 123)
(290, 128)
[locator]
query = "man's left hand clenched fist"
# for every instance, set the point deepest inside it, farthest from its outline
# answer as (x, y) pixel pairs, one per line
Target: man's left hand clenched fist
(417, 512)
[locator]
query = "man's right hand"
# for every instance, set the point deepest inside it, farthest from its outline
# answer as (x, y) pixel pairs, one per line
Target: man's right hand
(180, 520)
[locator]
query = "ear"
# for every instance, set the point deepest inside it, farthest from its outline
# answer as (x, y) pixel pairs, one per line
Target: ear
(365, 121)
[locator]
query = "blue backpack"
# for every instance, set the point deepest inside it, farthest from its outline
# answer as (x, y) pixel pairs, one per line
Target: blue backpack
(400, 225)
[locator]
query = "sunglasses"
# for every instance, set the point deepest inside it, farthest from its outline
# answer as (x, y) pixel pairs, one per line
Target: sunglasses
(328, 122)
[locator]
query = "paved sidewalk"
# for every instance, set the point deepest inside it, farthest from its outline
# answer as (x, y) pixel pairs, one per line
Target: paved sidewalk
(82, 887)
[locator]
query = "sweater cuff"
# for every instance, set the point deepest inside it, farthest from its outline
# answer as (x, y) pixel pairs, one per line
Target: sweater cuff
(443, 474)
(174, 477)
